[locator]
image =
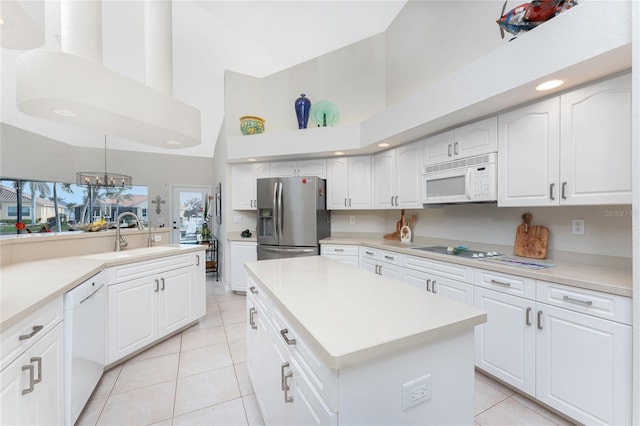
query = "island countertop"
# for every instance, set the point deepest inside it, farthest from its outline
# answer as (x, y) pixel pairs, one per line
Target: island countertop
(350, 315)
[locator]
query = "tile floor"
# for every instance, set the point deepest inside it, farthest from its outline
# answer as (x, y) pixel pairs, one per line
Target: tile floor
(199, 377)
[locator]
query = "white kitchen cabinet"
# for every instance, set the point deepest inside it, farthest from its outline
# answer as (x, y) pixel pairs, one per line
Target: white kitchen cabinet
(309, 407)
(396, 178)
(451, 289)
(349, 183)
(243, 181)
(299, 168)
(347, 254)
(240, 252)
(381, 262)
(150, 300)
(32, 385)
(473, 139)
(569, 150)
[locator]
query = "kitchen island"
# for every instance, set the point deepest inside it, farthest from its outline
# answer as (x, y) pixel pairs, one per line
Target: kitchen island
(330, 344)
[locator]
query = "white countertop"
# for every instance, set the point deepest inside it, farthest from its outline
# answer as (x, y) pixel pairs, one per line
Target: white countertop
(27, 286)
(349, 315)
(236, 236)
(592, 276)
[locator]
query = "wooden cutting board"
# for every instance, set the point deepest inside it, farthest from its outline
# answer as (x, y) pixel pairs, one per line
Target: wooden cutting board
(531, 240)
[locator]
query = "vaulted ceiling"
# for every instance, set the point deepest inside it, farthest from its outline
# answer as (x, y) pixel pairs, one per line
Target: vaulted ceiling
(252, 37)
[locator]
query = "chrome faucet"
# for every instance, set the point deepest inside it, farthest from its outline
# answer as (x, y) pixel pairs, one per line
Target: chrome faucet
(120, 241)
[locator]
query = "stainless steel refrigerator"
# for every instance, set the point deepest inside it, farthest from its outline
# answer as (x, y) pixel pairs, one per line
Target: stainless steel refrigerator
(292, 216)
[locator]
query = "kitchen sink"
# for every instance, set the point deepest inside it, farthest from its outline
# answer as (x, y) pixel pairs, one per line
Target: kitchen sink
(460, 253)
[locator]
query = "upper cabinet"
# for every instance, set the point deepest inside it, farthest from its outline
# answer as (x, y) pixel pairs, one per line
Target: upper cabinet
(243, 179)
(299, 168)
(396, 178)
(349, 183)
(570, 150)
(472, 139)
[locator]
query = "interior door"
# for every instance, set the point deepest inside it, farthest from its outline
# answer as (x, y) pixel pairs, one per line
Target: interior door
(187, 205)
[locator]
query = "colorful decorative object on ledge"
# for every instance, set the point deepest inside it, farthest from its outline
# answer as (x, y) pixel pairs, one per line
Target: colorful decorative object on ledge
(527, 16)
(302, 106)
(324, 113)
(251, 125)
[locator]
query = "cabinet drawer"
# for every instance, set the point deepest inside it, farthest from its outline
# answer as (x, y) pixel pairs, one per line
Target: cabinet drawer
(258, 295)
(141, 269)
(444, 269)
(348, 250)
(369, 253)
(392, 257)
(506, 283)
(603, 305)
(35, 325)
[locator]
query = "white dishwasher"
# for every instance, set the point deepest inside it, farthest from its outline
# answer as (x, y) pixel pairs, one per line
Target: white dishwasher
(85, 314)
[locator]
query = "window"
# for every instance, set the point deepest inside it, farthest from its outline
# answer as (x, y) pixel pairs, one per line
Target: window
(12, 211)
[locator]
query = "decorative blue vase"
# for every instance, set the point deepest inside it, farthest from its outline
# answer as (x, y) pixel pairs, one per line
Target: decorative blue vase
(302, 107)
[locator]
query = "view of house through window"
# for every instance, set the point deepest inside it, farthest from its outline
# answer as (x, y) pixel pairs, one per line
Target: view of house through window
(35, 206)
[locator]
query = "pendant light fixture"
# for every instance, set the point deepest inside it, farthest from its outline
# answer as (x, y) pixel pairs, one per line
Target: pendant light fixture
(104, 179)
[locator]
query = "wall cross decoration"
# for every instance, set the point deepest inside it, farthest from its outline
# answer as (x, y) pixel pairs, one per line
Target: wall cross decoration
(157, 201)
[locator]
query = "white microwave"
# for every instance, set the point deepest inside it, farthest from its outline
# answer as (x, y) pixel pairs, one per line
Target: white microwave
(468, 180)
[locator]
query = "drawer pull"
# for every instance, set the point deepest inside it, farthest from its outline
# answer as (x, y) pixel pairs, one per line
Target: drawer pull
(528, 318)
(578, 301)
(34, 330)
(502, 283)
(283, 333)
(339, 250)
(252, 320)
(389, 257)
(370, 253)
(539, 320)
(253, 290)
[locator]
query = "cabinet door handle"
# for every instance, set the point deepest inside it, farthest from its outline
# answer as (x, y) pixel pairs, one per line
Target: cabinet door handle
(578, 301)
(502, 283)
(380, 269)
(252, 321)
(345, 202)
(397, 203)
(283, 333)
(428, 282)
(282, 381)
(253, 290)
(31, 381)
(449, 150)
(349, 202)
(37, 360)
(287, 398)
(539, 320)
(551, 188)
(376, 271)
(197, 260)
(564, 190)
(527, 316)
(455, 148)
(162, 282)
(433, 287)
(34, 330)
(392, 200)
(157, 286)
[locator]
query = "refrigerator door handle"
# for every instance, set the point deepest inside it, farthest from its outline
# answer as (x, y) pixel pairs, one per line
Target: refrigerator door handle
(280, 229)
(275, 210)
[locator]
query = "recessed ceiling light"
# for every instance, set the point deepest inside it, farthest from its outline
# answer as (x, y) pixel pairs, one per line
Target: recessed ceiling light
(338, 153)
(251, 159)
(173, 142)
(548, 85)
(65, 112)
(383, 145)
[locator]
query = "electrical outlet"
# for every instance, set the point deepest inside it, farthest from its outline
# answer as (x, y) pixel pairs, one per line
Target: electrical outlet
(577, 226)
(157, 238)
(352, 220)
(416, 391)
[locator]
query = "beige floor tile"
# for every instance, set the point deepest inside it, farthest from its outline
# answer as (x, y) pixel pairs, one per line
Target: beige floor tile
(230, 413)
(167, 422)
(195, 338)
(211, 320)
(213, 308)
(166, 347)
(244, 381)
(253, 410)
(233, 305)
(561, 421)
(511, 413)
(231, 317)
(144, 406)
(139, 374)
(206, 389)
(236, 331)
(91, 412)
(108, 379)
(238, 351)
(486, 396)
(489, 380)
(204, 359)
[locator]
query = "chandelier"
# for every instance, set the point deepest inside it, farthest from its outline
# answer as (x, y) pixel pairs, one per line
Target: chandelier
(104, 179)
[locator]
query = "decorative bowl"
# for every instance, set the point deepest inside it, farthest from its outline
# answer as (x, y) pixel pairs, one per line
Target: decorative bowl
(251, 125)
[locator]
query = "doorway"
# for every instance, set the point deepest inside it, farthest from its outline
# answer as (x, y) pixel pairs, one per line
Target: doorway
(187, 205)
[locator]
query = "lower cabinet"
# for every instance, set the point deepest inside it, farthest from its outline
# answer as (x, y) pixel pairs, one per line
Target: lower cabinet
(347, 254)
(381, 262)
(445, 287)
(144, 309)
(32, 386)
(240, 252)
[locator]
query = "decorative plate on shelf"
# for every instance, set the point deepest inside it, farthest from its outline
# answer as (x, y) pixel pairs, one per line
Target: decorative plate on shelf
(324, 113)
